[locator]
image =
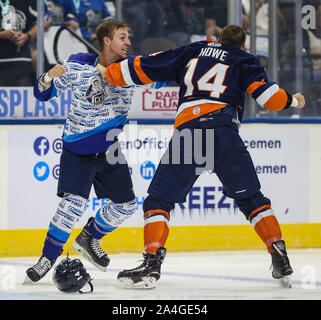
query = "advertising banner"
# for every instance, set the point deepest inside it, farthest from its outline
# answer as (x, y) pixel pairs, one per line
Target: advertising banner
(19, 103)
(154, 103)
(33, 171)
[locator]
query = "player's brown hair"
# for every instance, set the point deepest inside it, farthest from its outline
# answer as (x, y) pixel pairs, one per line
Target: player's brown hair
(233, 36)
(107, 29)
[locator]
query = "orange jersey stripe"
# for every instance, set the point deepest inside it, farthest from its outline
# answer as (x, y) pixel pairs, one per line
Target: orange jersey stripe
(190, 114)
(252, 87)
(277, 102)
(267, 206)
(140, 73)
(114, 75)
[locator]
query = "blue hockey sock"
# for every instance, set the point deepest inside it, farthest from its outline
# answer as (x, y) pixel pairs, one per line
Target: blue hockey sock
(110, 216)
(52, 247)
(68, 213)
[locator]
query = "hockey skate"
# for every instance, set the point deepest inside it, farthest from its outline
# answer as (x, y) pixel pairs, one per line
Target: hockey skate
(281, 269)
(39, 270)
(88, 247)
(145, 275)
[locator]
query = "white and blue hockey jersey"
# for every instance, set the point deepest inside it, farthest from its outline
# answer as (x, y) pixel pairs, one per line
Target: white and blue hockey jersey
(96, 107)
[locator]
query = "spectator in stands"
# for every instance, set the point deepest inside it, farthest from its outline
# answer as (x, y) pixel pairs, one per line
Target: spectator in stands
(312, 44)
(111, 7)
(175, 28)
(17, 27)
(193, 15)
(207, 17)
(84, 14)
(262, 29)
(262, 17)
(55, 13)
(216, 17)
(146, 18)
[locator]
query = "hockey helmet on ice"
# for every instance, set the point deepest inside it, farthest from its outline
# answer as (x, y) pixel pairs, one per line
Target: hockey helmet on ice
(71, 276)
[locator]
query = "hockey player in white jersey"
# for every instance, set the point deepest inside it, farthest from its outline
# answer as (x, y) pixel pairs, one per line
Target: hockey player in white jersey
(96, 110)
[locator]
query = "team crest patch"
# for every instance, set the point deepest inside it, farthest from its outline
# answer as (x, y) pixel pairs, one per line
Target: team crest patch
(196, 111)
(96, 93)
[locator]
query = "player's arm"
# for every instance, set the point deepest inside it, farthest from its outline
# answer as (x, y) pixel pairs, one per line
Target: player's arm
(113, 81)
(51, 83)
(268, 94)
(144, 70)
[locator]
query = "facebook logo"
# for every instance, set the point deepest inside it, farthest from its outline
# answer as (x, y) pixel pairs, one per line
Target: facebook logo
(41, 146)
(147, 170)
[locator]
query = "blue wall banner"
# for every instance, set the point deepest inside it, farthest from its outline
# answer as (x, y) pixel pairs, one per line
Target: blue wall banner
(20, 103)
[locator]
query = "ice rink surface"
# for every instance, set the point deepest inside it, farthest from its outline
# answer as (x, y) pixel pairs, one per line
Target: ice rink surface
(220, 275)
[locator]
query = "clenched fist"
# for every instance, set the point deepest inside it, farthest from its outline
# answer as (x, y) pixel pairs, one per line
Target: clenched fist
(102, 70)
(301, 100)
(55, 72)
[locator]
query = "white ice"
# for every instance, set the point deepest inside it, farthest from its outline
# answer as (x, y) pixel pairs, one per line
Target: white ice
(220, 275)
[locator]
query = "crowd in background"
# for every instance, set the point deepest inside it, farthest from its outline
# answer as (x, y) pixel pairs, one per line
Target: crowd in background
(160, 25)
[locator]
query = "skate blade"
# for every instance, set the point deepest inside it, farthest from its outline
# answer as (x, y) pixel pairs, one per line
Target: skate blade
(128, 283)
(28, 281)
(85, 255)
(285, 282)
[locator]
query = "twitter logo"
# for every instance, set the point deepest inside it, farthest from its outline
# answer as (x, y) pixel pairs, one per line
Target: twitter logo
(41, 171)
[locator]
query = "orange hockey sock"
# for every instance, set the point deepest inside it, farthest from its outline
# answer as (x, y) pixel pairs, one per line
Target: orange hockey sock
(156, 229)
(266, 226)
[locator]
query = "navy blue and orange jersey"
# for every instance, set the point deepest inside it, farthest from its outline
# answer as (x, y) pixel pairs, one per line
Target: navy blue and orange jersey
(210, 76)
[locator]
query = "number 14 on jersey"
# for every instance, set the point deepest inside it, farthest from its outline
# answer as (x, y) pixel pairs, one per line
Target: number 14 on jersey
(205, 82)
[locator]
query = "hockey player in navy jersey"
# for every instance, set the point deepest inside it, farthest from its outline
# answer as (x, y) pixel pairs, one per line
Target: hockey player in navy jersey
(97, 109)
(212, 77)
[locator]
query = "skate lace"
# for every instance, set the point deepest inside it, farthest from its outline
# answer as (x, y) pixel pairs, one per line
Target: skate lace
(146, 262)
(97, 249)
(142, 265)
(281, 261)
(42, 266)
